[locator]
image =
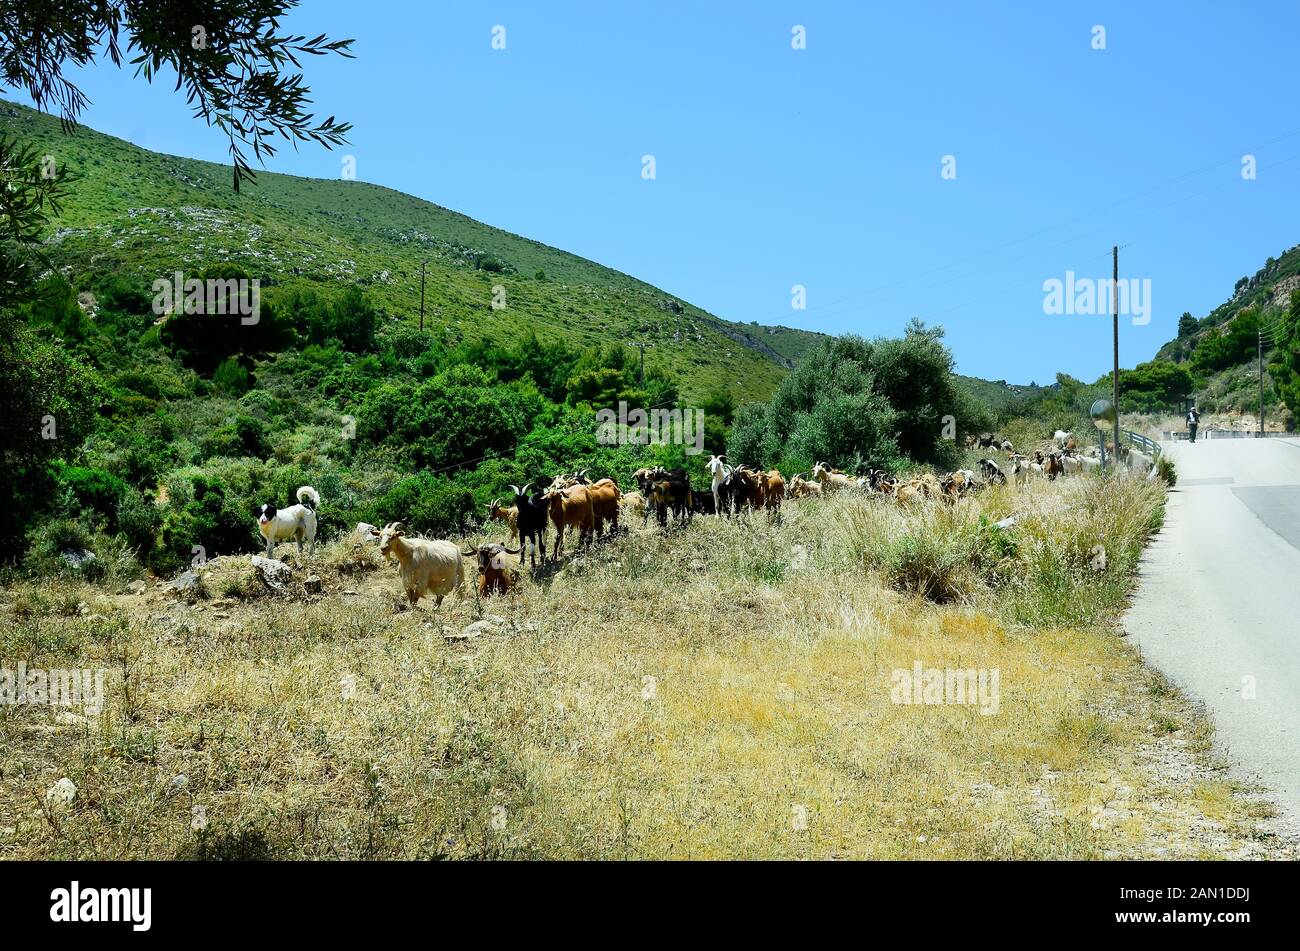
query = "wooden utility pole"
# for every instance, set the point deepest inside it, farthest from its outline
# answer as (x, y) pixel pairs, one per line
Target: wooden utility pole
(421, 297)
(1261, 381)
(641, 374)
(1115, 379)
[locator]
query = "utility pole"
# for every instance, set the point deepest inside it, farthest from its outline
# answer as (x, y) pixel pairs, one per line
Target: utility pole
(641, 374)
(1261, 381)
(1114, 290)
(421, 297)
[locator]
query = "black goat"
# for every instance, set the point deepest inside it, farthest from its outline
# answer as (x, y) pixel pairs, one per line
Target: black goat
(702, 503)
(534, 511)
(667, 493)
(738, 489)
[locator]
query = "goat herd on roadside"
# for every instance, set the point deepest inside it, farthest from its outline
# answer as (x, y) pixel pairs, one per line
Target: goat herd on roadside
(574, 504)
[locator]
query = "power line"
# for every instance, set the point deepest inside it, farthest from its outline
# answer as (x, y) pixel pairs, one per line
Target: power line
(1051, 228)
(999, 292)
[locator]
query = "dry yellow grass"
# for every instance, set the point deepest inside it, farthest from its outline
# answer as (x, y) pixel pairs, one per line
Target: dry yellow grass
(722, 691)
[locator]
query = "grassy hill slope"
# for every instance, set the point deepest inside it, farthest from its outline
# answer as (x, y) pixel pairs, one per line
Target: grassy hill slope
(143, 214)
(1270, 287)
(999, 395)
(1227, 380)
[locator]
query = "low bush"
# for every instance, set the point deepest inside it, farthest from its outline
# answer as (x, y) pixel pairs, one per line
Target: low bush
(430, 504)
(71, 548)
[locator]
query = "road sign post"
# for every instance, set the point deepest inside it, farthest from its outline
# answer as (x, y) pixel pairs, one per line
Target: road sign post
(1103, 417)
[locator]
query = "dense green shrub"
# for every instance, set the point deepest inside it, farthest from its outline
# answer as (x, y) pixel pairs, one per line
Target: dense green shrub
(826, 409)
(1228, 345)
(202, 340)
(231, 376)
(137, 519)
(405, 342)
(52, 305)
(54, 540)
(208, 519)
(243, 436)
(49, 404)
(855, 401)
(915, 374)
(137, 454)
(95, 489)
(120, 295)
(431, 504)
(348, 321)
(460, 415)
(1157, 385)
(346, 385)
(1284, 367)
(155, 382)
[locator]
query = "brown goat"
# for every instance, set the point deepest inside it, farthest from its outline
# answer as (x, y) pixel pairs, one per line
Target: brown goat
(494, 575)
(605, 498)
(670, 494)
(508, 515)
(801, 487)
(831, 479)
(571, 508)
(773, 488)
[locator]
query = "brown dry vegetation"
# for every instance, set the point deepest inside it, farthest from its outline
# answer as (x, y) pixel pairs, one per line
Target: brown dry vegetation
(689, 694)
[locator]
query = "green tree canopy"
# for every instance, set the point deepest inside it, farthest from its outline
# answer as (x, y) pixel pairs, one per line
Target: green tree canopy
(1155, 385)
(1229, 345)
(460, 415)
(853, 400)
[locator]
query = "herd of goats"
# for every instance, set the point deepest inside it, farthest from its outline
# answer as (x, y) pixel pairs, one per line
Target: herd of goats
(574, 503)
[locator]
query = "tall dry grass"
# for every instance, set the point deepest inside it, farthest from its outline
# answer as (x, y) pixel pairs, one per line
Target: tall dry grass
(723, 690)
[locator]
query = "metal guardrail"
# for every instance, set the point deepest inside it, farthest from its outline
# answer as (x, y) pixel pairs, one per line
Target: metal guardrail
(1146, 444)
(1177, 435)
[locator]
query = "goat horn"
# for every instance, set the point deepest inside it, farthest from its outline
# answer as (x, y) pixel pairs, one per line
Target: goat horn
(398, 526)
(512, 551)
(471, 553)
(524, 490)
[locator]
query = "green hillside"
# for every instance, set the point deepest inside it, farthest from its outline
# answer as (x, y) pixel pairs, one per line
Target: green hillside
(174, 423)
(1221, 349)
(1269, 290)
(999, 395)
(140, 215)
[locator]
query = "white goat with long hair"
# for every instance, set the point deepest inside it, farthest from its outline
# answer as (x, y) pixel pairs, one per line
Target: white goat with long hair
(719, 469)
(426, 566)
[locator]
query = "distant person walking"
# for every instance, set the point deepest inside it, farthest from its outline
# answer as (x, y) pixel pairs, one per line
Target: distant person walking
(1193, 420)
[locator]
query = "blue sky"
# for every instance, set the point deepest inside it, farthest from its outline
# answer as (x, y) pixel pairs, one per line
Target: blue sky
(822, 166)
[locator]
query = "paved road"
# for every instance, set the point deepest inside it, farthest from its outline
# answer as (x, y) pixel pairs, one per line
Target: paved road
(1219, 601)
